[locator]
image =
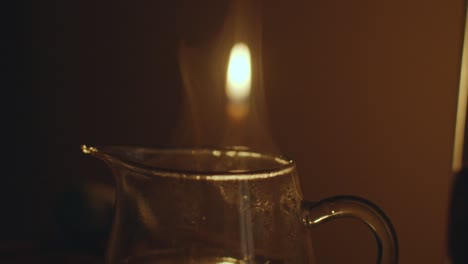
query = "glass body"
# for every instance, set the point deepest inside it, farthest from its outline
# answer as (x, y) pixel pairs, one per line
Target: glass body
(220, 206)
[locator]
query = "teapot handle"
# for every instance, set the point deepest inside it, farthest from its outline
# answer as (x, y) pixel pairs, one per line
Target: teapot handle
(336, 207)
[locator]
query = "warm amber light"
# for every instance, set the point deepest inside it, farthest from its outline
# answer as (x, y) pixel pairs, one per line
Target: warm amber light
(239, 73)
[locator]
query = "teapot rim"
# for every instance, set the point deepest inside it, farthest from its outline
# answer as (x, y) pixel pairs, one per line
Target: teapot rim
(284, 164)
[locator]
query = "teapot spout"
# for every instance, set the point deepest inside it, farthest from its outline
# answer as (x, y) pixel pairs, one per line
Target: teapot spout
(95, 152)
(111, 155)
(88, 150)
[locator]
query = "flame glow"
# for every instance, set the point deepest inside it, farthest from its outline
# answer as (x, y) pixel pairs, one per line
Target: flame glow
(239, 73)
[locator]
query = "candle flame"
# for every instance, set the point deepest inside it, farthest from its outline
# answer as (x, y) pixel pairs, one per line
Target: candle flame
(239, 74)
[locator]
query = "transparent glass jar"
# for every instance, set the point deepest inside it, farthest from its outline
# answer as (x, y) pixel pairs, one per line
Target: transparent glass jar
(221, 206)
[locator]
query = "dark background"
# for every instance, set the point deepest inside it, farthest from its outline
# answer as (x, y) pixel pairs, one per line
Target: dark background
(362, 94)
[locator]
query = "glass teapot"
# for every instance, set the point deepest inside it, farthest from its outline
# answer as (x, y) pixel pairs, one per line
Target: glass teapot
(221, 206)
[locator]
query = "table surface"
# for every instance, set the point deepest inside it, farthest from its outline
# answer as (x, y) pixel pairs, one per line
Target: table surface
(24, 252)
